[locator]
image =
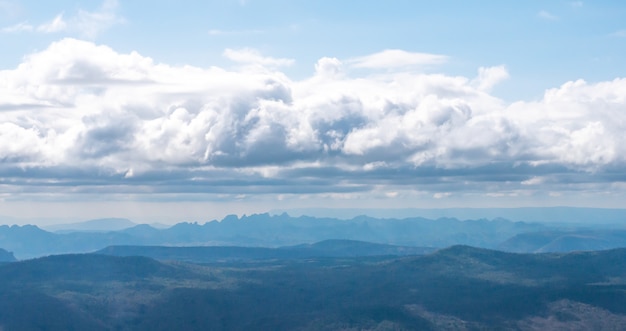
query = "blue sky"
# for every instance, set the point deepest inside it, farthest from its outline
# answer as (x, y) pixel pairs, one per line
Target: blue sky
(172, 112)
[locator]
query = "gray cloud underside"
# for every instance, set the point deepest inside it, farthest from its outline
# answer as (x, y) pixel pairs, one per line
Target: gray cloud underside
(80, 118)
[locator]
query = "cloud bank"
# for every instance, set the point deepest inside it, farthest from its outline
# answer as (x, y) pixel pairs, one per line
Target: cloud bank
(82, 118)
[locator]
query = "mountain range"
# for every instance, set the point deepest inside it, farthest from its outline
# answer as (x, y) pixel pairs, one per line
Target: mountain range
(554, 215)
(265, 230)
(271, 231)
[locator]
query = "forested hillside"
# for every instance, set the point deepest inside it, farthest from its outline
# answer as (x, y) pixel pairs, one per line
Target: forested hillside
(459, 288)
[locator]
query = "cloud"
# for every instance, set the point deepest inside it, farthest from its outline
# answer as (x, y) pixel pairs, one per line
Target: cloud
(329, 67)
(19, 27)
(90, 24)
(533, 181)
(83, 118)
(396, 58)
(252, 56)
(87, 24)
(56, 25)
(543, 14)
(442, 195)
(489, 77)
(576, 4)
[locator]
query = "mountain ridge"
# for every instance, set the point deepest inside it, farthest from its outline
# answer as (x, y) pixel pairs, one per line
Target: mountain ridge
(455, 288)
(265, 230)
(209, 254)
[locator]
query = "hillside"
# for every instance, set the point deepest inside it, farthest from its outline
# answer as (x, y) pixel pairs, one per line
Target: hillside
(565, 241)
(211, 254)
(459, 288)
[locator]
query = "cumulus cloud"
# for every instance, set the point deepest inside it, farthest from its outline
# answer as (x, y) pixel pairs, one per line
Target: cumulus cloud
(489, 77)
(81, 117)
(328, 67)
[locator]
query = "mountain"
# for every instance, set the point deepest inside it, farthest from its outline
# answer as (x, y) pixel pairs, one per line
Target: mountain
(66, 292)
(97, 225)
(209, 254)
(6, 256)
(264, 230)
(565, 241)
(78, 267)
(30, 241)
(567, 215)
(283, 230)
(457, 288)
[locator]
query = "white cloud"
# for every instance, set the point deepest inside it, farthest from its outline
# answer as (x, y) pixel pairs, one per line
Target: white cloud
(56, 25)
(19, 143)
(533, 181)
(87, 24)
(329, 67)
(19, 27)
(90, 24)
(488, 77)
(252, 56)
(77, 112)
(396, 58)
(576, 4)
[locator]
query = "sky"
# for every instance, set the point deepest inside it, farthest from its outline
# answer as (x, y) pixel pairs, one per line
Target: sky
(167, 111)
